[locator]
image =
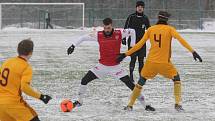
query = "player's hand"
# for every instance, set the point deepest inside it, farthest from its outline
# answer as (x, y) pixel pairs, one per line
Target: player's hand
(45, 98)
(124, 41)
(129, 48)
(196, 56)
(70, 49)
(120, 57)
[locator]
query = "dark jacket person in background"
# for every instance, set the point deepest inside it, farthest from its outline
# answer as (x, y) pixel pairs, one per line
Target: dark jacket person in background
(139, 22)
(48, 20)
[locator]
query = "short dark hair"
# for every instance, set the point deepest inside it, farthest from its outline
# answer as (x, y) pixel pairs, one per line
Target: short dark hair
(163, 15)
(107, 21)
(140, 3)
(25, 47)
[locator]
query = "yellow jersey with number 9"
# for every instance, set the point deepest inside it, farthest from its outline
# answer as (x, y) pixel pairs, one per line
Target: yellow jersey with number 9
(14, 72)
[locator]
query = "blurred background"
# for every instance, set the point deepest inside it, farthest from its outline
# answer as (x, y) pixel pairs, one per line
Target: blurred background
(186, 14)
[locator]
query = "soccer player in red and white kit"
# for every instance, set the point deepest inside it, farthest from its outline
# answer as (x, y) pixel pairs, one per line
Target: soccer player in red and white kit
(109, 41)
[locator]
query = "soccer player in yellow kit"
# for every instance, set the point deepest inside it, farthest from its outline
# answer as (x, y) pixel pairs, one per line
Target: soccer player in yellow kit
(158, 60)
(15, 78)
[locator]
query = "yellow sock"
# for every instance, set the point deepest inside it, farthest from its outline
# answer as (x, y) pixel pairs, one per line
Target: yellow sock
(136, 93)
(177, 92)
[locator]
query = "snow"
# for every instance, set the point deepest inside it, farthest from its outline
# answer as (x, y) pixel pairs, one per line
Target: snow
(59, 75)
(27, 25)
(209, 25)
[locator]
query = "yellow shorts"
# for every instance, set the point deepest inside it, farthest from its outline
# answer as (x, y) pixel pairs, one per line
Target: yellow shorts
(16, 112)
(150, 70)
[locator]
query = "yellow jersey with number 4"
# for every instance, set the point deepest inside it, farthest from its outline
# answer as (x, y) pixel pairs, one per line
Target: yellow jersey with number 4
(15, 77)
(160, 36)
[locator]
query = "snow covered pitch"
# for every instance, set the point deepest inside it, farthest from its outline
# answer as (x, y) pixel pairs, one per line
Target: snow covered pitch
(59, 75)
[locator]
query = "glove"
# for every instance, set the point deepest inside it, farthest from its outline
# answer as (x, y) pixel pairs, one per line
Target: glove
(124, 41)
(129, 47)
(120, 57)
(196, 56)
(70, 49)
(45, 98)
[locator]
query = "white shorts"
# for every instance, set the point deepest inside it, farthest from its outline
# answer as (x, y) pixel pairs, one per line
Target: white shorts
(116, 71)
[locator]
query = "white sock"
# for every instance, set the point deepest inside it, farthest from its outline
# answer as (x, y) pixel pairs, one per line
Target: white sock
(82, 91)
(141, 98)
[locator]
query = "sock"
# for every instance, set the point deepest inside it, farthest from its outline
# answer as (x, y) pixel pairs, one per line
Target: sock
(82, 91)
(136, 93)
(141, 98)
(177, 92)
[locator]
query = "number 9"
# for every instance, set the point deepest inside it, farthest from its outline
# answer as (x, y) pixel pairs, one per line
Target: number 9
(4, 75)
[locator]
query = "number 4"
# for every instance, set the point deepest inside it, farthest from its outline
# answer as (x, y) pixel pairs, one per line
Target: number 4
(158, 40)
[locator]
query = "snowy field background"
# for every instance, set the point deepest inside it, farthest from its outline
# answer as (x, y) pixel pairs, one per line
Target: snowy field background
(59, 75)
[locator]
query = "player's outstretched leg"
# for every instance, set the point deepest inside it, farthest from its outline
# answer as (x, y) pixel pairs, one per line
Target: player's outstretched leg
(177, 93)
(132, 66)
(141, 98)
(137, 93)
(83, 87)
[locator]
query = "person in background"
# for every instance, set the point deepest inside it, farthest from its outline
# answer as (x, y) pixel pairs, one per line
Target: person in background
(48, 20)
(139, 22)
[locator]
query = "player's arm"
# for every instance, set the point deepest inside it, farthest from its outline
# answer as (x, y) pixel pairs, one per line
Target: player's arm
(138, 45)
(127, 22)
(124, 39)
(27, 89)
(183, 42)
(129, 33)
(135, 48)
(89, 37)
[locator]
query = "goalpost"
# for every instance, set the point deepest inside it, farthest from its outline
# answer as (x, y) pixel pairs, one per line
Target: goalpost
(35, 15)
